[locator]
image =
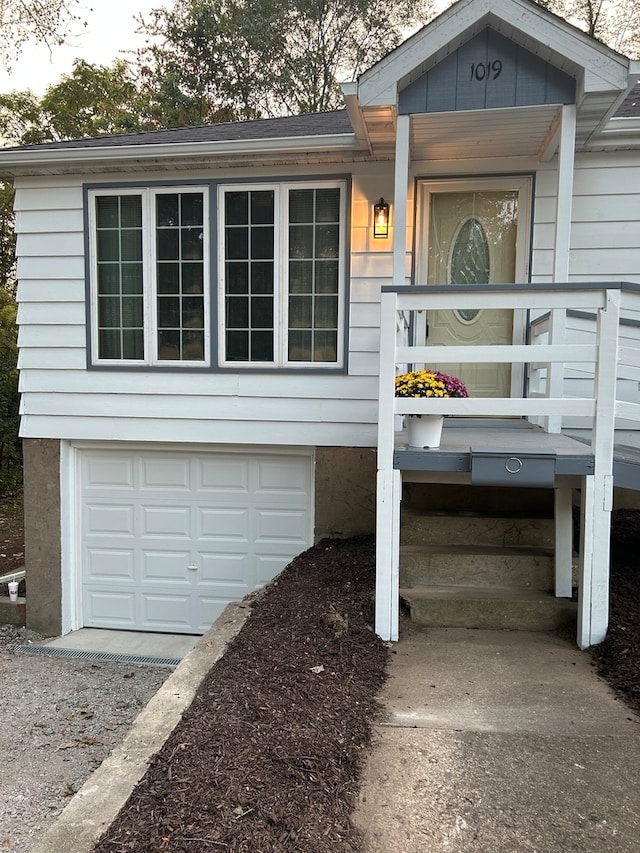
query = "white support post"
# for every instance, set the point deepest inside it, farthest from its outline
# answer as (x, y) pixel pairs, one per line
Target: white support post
(564, 206)
(387, 547)
(564, 542)
(400, 198)
(593, 617)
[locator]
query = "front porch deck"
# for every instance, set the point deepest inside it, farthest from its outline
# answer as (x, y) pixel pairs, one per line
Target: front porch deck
(519, 440)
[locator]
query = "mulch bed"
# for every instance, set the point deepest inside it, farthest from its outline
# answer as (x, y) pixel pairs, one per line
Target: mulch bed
(268, 756)
(618, 657)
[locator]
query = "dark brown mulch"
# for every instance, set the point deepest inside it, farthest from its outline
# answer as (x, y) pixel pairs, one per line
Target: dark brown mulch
(618, 657)
(268, 757)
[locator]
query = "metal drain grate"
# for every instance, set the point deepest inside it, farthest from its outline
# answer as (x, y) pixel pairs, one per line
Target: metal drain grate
(54, 651)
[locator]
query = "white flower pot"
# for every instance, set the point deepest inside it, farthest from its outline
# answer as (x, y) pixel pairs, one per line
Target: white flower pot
(424, 431)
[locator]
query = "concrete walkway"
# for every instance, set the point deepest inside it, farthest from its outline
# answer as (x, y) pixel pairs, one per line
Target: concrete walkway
(500, 742)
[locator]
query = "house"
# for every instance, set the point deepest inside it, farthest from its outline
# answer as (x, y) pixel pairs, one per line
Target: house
(211, 319)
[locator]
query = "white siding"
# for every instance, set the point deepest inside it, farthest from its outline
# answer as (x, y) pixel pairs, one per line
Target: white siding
(605, 234)
(61, 398)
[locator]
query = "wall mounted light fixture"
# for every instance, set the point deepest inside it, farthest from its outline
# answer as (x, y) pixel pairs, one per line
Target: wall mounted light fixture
(381, 218)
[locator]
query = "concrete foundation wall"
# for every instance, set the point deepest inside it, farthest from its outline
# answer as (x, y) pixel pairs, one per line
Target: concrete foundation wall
(42, 535)
(345, 491)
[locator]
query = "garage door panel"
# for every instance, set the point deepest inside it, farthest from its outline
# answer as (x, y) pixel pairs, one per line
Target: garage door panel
(281, 526)
(110, 609)
(222, 524)
(114, 520)
(166, 521)
(235, 518)
(167, 566)
(109, 471)
(110, 564)
(164, 472)
(226, 569)
(162, 612)
(281, 477)
(223, 474)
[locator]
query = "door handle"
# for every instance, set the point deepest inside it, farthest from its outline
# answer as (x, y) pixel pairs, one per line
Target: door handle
(192, 567)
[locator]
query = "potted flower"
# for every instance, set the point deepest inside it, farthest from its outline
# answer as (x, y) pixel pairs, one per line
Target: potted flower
(426, 430)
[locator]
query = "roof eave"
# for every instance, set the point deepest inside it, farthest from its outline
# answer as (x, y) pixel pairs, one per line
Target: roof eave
(18, 161)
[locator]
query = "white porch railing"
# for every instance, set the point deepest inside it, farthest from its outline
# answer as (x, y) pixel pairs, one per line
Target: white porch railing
(600, 358)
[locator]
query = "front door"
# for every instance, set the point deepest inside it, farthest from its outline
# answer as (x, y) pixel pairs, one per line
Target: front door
(475, 232)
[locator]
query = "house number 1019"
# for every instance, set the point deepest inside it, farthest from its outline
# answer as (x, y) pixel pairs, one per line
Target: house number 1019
(486, 70)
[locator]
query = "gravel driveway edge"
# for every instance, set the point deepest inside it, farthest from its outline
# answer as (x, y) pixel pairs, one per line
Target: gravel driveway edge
(97, 803)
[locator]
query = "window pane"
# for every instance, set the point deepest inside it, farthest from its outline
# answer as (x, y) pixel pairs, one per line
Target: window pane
(300, 312)
(131, 275)
(168, 312)
(262, 208)
(326, 276)
(169, 345)
(108, 246)
(261, 346)
(300, 346)
(193, 312)
(237, 244)
(327, 241)
(237, 345)
(131, 211)
(328, 205)
(180, 239)
(109, 312)
(314, 248)
(119, 277)
(301, 241)
(192, 278)
(325, 346)
(108, 211)
(168, 244)
(262, 242)
(262, 312)
(131, 245)
(108, 278)
(301, 206)
(237, 312)
(261, 277)
(236, 208)
(167, 210)
(109, 343)
(191, 209)
(133, 343)
(192, 245)
(132, 312)
(300, 276)
(237, 277)
(168, 278)
(193, 346)
(249, 269)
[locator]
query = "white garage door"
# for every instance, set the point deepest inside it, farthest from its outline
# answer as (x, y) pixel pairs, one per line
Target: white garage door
(169, 538)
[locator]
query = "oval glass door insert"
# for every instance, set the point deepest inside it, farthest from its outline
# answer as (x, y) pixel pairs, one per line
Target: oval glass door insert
(469, 261)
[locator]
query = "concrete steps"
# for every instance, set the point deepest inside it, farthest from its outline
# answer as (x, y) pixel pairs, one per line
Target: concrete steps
(480, 571)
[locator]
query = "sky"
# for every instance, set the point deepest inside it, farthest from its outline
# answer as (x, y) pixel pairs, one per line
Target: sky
(110, 29)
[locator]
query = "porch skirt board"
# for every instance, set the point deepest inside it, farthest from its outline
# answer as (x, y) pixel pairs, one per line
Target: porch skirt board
(424, 431)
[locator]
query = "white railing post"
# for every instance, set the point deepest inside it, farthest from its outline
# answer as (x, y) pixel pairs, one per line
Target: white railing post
(597, 496)
(387, 489)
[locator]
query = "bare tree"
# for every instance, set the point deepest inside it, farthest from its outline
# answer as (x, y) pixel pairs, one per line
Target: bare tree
(51, 22)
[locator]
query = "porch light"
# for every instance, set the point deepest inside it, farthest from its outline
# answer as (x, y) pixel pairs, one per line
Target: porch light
(381, 218)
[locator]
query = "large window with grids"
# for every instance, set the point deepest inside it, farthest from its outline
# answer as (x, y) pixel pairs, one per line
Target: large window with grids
(281, 268)
(149, 276)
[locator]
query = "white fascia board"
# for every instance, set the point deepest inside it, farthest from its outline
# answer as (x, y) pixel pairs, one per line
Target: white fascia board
(20, 160)
(604, 68)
